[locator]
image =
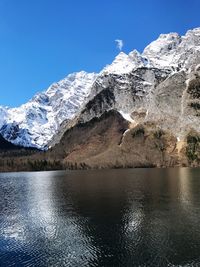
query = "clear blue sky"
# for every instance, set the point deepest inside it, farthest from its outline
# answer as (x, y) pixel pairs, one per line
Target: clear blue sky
(41, 41)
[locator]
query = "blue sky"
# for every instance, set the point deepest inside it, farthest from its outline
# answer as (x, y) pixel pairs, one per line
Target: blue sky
(41, 41)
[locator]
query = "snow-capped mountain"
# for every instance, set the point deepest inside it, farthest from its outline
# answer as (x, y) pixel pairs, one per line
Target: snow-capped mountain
(152, 85)
(124, 63)
(174, 51)
(143, 110)
(34, 123)
(168, 51)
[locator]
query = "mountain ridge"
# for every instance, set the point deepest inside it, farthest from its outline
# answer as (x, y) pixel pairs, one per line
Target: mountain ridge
(134, 84)
(34, 123)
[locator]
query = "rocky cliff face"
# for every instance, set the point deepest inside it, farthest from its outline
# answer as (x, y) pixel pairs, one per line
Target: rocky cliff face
(156, 81)
(157, 91)
(111, 142)
(153, 86)
(158, 87)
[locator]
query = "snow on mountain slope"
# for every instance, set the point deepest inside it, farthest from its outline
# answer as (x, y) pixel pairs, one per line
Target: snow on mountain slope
(151, 86)
(170, 51)
(3, 115)
(124, 63)
(128, 84)
(174, 51)
(34, 123)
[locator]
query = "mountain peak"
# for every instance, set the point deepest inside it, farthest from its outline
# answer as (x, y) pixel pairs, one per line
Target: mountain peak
(164, 43)
(41, 116)
(34, 123)
(174, 51)
(124, 63)
(194, 31)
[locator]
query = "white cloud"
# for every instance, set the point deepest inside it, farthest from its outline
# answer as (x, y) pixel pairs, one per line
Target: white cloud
(120, 44)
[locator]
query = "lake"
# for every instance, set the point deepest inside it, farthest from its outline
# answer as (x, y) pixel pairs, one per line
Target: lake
(130, 217)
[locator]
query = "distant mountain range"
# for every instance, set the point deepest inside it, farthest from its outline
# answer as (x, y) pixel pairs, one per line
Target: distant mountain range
(157, 92)
(34, 123)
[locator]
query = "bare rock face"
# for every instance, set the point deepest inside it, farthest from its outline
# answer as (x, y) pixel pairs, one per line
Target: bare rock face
(139, 115)
(158, 89)
(162, 87)
(109, 141)
(86, 140)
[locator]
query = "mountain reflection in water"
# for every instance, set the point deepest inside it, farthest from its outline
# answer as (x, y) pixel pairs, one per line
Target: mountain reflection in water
(133, 217)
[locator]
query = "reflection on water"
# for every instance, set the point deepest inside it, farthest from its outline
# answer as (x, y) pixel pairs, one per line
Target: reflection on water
(139, 217)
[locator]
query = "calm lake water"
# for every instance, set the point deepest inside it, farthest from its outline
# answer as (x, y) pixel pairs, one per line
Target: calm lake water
(134, 217)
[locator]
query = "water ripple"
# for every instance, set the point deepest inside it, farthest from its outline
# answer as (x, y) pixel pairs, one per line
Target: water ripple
(102, 218)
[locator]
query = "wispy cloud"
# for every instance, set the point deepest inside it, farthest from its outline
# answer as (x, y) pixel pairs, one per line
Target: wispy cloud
(120, 44)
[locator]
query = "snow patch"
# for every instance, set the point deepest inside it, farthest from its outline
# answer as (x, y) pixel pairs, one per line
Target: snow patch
(126, 116)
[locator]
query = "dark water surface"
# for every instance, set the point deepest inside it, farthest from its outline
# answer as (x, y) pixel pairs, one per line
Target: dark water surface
(138, 217)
